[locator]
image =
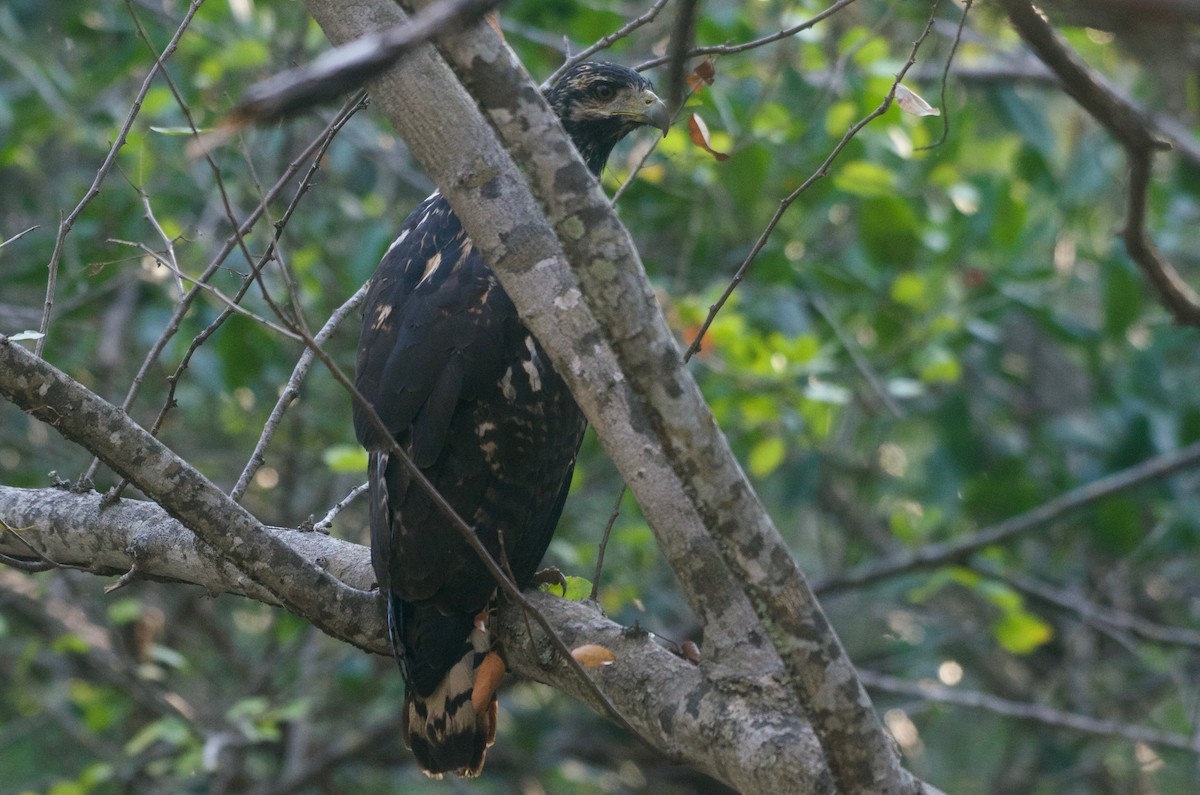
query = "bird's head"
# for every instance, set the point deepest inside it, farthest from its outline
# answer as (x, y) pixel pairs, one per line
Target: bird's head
(600, 103)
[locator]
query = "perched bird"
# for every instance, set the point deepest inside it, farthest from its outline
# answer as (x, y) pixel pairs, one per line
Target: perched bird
(466, 391)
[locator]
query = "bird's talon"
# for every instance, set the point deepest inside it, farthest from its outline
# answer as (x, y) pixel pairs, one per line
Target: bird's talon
(551, 576)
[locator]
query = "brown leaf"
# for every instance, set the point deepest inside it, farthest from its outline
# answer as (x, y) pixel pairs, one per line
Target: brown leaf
(591, 655)
(702, 75)
(699, 132)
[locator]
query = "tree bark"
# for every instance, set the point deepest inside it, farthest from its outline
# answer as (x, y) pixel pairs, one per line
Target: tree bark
(751, 737)
(598, 320)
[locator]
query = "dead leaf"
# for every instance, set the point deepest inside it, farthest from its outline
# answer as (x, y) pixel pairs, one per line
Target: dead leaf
(699, 132)
(590, 655)
(911, 102)
(702, 75)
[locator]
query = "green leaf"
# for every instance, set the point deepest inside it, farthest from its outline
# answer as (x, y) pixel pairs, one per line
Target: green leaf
(125, 611)
(864, 178)
(940, 367)
(345, 459)
(171, 730)
(911, 290)
(766, 456)
(578, 588)
(1021, 632)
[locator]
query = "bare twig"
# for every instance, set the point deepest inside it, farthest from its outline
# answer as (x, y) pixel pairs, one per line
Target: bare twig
(612, 519)
(1047, 716)
(942, 554)
(299, 372)
(729, 49)
(19, 235)
(820, 173)
(962, 21)
(608, 41)
(860, 362)
(351, 65)
(1093, 613)
(1134, 131)
(65, 224)
(218, 260)
(232, 304)
(326, 523)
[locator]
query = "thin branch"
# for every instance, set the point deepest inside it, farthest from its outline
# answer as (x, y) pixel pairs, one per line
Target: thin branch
(310, 153)
(962, 21)
(612, 519)
(1093, 613)
(729, 49)
(291, 391)
(942, 554)
(167, 240)
(65, 224)
(1047, 716)
(820, 173)
(19, 235)
(326, 523)
(878, 388)
(351, 65)
(231, 304)
(608, 41)
(1134, 131)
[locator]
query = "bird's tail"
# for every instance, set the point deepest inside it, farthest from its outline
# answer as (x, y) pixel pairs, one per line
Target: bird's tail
(450, 727)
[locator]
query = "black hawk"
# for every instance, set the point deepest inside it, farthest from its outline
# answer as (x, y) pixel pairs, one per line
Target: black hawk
(468, 394)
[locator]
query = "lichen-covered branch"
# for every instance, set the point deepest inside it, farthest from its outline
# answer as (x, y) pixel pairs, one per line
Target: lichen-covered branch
(598, 318)
(750, 737)
(107, 432)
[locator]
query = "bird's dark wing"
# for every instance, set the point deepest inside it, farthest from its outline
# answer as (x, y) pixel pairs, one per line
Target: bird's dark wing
(468, 395)
(426, 341)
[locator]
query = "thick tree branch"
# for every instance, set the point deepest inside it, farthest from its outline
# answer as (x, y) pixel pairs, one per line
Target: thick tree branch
(752, 736)
(81, 416)
(666, 410)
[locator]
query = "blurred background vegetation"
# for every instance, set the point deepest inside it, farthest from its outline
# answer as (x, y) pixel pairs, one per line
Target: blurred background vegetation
(937, 336)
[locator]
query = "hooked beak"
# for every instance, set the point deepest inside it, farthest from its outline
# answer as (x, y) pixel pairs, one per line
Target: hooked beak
(647, 108)
(655, 112)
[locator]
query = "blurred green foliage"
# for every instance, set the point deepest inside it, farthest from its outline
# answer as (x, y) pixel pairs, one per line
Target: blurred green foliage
(936, 337)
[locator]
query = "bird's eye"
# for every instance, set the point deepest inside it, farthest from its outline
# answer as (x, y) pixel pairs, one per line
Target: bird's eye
(605, 92)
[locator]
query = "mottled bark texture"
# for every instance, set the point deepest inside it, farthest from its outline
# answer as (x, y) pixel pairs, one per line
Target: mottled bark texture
(579, 285)
(750, 735)
(107, 432)
(597, 318)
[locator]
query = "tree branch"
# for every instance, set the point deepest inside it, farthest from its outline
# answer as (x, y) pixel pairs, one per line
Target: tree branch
(84, 418)
(1134, 131)
(600, 324)
(1047, 716)
(949, 552)
(752, 736)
